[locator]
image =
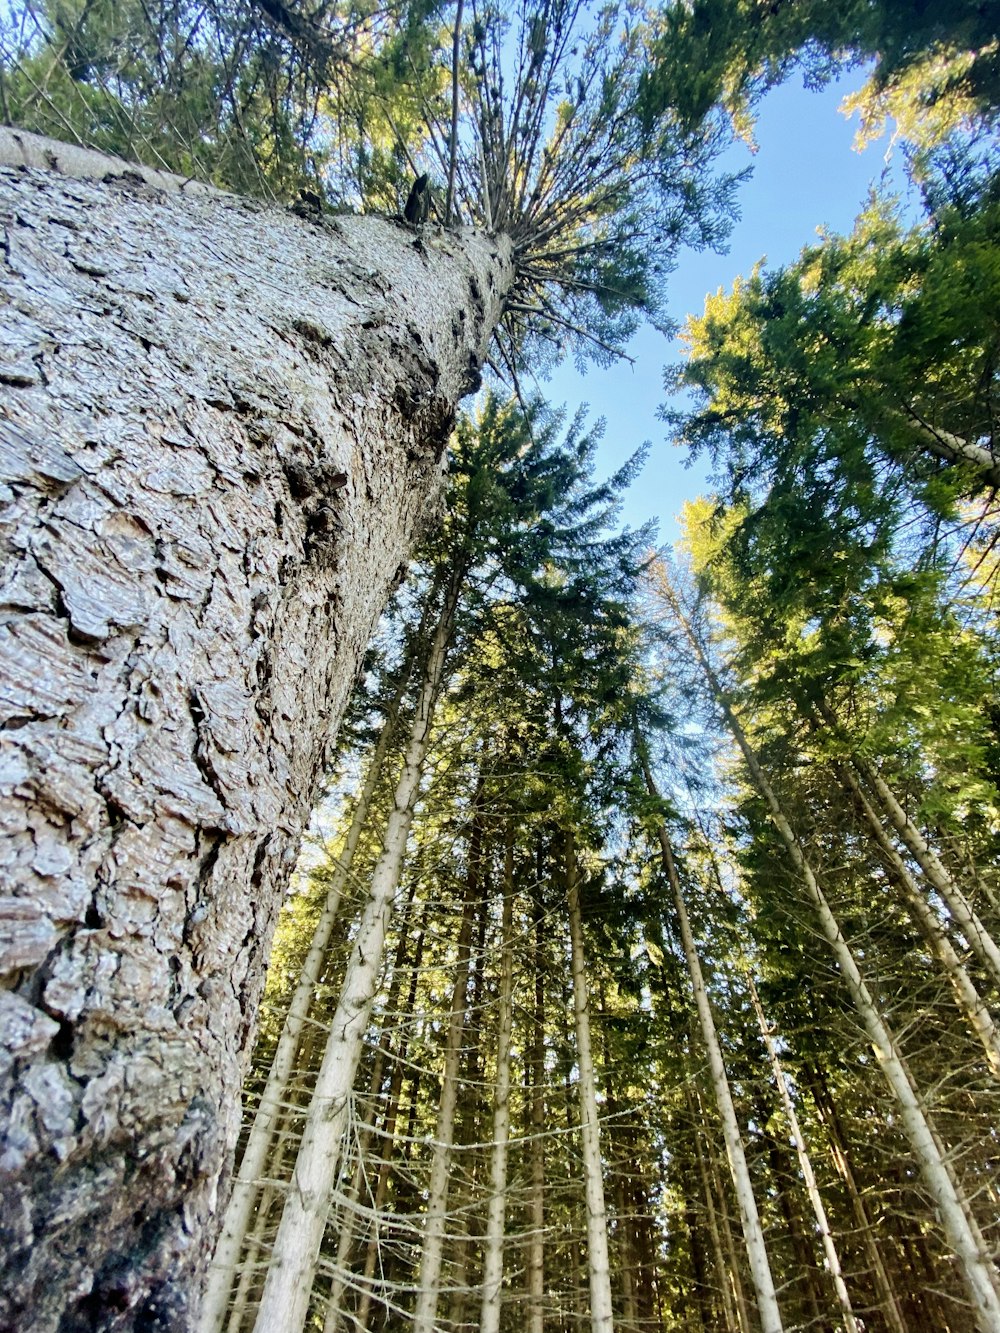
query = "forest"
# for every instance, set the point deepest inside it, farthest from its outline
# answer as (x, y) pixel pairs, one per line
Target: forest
(632, 945)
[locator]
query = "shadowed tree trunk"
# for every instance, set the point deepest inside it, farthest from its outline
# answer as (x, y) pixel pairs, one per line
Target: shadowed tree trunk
(223, 426)
(493, 1240)
(753, 1234)
(598, 1262)
(436, 1216)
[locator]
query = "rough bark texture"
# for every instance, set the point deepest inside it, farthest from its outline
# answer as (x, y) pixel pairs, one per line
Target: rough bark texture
(222, 427)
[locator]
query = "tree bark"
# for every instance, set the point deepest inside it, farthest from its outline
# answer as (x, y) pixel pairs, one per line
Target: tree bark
(489, 1319)
(889, 1304)
(223, 427)
(349, 1207)
(753, 1234)
(722, 1269)
(980, 941)
(971, 1004)
(436, 1217)
(805, 1166)
(535, 1097)
(388, 1136)
(598, 1263)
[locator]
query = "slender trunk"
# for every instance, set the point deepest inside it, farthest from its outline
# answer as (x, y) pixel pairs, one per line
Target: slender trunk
(465, 1188)
(388, 1135)
(714, 1233)
(733, 1267)
(838, 1151)
(221, 462)
(251, 1265)
(436, 1216)
(245, 1187)
(489, 1317)
(980, 941)
(699, 1274)
(601, 1318)
(285, 1300)
(952, 448)
(626, 1259)
(536, 1205)
(805, 1166)
(753, 1235)
(960, 1228)
(970, 1003)
(345, 1239)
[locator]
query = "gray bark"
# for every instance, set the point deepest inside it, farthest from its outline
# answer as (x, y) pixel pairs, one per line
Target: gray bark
(598, 1261)
(753, 1233)
(961, 1229)
(493, 1242)
(223, 426)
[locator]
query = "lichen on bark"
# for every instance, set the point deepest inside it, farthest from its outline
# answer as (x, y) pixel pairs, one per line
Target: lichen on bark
(223, 426)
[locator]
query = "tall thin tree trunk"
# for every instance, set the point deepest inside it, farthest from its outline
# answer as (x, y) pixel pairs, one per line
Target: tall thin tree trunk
(241, 1202)
(715, 1235)
(734, 1269)
(960, 1227)
(251, 1265)
(970, 1003)
(285, 1300)
(980, 941)
(805, 1166)
(753, 1234)
(345, 1239)
(467, 1133)
(536, 1080)
(436, 1215)
(598, 1263)
(231, 432)
(884, 1288)
(388, 1135)
(493, 1247)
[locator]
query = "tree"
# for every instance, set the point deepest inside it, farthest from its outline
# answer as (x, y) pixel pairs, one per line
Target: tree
(204, 538)
(767, 1301)
(175, 722)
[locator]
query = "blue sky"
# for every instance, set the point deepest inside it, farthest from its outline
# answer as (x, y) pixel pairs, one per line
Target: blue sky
(806, 177)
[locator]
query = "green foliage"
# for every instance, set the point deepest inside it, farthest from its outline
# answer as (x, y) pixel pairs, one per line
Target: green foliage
(935, 64)
(871, 348)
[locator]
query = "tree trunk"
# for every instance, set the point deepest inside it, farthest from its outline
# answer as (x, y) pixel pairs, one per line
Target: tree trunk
(805, 1166)
(240, 1209)
(285, 1300)
(349, 1211)
(223, 426)
(733, 1269)
(980, 941)
(753, 1235)
(536, 1097)
(489, 1319)
(388, 1136)
(885, 1291)
(436, 1217)
(970, 1003)
(598, 1264)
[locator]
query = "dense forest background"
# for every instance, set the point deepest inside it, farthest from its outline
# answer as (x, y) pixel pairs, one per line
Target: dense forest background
(641, 969)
